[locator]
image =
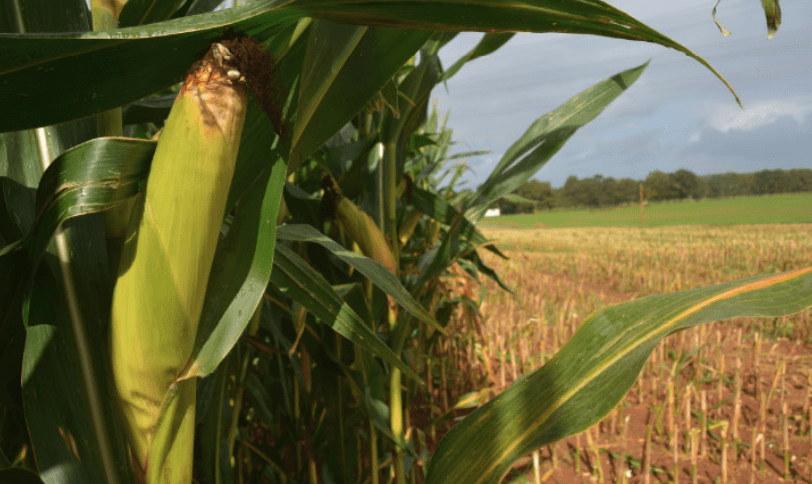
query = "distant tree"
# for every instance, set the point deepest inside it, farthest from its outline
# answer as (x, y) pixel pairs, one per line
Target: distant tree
(800, 180)
(687, 184)
(540, 193)
(747, 183)
(570, 195)
(600, 191)
(661, 186)
(628, 190)
(771, 181)
(507, 207)
(729, 184)
(590, 191)
(607, 195)
(716, 185)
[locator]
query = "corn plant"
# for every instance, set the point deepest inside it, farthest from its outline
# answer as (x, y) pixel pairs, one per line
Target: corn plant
(251, 286)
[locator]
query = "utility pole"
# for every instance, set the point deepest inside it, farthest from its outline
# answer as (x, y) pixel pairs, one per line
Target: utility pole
(642, 215)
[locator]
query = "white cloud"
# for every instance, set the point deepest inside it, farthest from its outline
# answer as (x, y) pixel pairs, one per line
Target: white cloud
(761, 114)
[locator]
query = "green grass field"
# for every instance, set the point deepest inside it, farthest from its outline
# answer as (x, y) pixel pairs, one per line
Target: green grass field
(767, 209)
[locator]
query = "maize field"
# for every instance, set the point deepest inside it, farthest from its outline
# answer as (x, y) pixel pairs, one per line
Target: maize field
(233, 250)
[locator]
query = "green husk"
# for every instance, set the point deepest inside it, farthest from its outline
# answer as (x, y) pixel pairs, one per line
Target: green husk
(358, 226)
(165, 264)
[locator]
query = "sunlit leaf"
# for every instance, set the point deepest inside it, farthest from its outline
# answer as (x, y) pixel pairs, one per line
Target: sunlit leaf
(546, 136)
(91, 177)
(240, 273)
(587, 378)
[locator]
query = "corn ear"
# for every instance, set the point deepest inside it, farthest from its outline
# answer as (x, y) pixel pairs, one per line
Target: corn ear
(357, 225)
(362, 229)
(408, 225)
(165, 265)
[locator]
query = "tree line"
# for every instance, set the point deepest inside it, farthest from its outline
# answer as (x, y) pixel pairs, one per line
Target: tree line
(600, 191)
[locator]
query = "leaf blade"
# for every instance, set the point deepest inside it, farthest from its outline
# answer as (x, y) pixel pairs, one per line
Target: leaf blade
(309, 288)
(328, 102)
(89, 65)
(546, 135)
(772, 10)
(372, 269)
(238, 281)
(596, 368)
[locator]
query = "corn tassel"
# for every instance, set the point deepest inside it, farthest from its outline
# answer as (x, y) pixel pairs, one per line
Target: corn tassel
(165, 264)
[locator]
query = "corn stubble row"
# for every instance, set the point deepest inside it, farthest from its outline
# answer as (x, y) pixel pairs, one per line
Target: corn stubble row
(729, 400)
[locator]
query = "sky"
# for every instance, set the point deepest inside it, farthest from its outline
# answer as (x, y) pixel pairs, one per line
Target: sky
(677, 114)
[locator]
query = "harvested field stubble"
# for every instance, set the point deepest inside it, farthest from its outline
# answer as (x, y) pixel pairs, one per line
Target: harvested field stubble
(727, 400)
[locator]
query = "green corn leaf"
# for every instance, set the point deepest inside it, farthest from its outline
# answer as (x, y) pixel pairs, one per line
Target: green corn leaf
(16, 217)
(103, 172)
(32, 16)
(512, 197)
(436, 261)
(338, 77)
(91, 177)
(72, 426)
(585, 17)
(416, 87)
(241, 272)
(215, 413)
(721, 27)
(304, 285)
(376, 272)
(74, 434)
(141, 12)
(477, 261)
(258, 134)
(18, 475)
(772, 10)
(89, 65)
(437, 208)
(64, 310)
(489, 44)
(546, 136)
(592, 372)
(149, 110)
(84, 63)
(197, 7)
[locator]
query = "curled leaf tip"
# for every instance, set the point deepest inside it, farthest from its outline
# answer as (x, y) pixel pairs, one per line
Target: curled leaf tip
(772, 10)
(722, 28)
